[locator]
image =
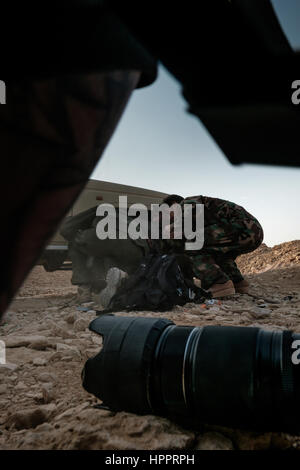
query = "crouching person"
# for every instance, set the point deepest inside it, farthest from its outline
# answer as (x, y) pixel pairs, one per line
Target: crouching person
(229, 231)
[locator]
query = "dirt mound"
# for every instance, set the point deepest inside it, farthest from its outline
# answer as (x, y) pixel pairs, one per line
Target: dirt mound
(265, 258)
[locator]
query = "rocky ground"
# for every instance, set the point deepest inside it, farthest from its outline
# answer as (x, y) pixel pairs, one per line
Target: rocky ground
(42, 402)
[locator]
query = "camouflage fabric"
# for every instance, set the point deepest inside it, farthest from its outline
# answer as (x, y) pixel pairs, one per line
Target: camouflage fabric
(229, 231)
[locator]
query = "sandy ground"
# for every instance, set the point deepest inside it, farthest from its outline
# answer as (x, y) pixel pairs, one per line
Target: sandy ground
(42, 402)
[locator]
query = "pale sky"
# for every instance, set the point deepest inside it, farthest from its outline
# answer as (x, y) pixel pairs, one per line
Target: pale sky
(158, 145)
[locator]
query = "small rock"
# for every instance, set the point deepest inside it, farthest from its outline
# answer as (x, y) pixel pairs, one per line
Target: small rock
(65, 352)
(81, 324)
(258, 312)
(97, 340)
(62, 333)
(39, 361)
(48, 393)
(214, 310)
(65, 347)
(8, 367)
(37, 397)
(55, 357)
(274, 301)
(70, 318)
(47, 377)
(27, 419)
(20, 386)
(88, 304)
(12, 377)
(19, 341)
(49, 409)
(65, 414)
(67, 341)
(213, 441)
(86, 335)
(45, 427)
(68, 358)
(39, 345)
(48, 324)
(3, 389)
(92, 352)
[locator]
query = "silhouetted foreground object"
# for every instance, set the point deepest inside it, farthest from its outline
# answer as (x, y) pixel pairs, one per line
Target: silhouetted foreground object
(236, 68)
(245, 377)
(69, 72)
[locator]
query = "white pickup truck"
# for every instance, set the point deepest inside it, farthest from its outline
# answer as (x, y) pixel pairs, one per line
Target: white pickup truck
(55, 255)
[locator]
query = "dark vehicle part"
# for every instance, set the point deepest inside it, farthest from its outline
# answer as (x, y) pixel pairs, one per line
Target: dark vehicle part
(237, 376)
(81, 217)
(54, 257)
(236, 68)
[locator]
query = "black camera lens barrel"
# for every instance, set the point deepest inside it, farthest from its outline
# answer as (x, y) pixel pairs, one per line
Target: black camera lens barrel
(168, 392)
(194, 378)
(230, 375)
(119, 375)
(277, 378)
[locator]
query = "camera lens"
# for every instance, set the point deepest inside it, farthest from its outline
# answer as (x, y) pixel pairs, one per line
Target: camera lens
(237, 376)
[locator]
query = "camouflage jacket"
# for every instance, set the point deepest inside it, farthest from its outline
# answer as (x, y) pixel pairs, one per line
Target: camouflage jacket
(218, 213)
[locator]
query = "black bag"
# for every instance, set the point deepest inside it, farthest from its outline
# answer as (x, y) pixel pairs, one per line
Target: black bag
(158, 284)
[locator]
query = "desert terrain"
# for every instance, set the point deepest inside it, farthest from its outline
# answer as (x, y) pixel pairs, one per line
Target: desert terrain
(42, 402)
